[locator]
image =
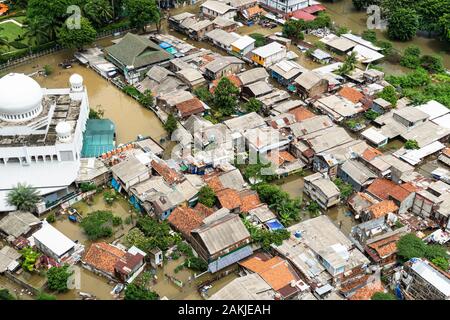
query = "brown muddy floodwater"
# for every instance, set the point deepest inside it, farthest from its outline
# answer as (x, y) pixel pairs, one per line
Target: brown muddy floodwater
(338, 214)
(130, 118)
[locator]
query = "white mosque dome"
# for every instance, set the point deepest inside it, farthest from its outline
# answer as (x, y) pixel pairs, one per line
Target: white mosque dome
(20, 97)
(76, 79)
(63, 131)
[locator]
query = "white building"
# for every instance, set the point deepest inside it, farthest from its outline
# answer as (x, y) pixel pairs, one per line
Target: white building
(53, 243)
(214, 9)
(285, 6)
(41, 136)
(269, 54)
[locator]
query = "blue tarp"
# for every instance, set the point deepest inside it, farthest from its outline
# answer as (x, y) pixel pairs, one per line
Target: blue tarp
(115, 184)
(135, 203)
(274, 224)
(165, 45)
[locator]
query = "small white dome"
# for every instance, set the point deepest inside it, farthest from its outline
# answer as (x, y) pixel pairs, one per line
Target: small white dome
(20, 96)
(76, 80)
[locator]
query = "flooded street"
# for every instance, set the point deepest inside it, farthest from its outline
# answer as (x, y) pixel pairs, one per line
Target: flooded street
(130, 118)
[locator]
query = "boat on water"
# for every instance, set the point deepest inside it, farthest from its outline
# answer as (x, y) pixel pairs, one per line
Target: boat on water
(117, 289)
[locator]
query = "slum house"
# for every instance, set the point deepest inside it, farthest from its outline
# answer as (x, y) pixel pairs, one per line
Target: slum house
(359, 202)
(113, 262)
(339, 45)
(320, 141)
(381, 106)
(308, 124)
(9, 259)
(321, 252)
(170, 99)
(222, 241)
(272, 99)
(249, 287)
(444, 157)
(256, 90)
(149, 145)
(311, 84)
(285, 72)
(129, 172)
(175, 22)
(329, 160)
(277, 272)
(240, 124)
(422, 280)
(231, 179)
(190, 107)
(222, 39)
(198, 30)
(160, 81)
(322, 190)
(243, 45)
(427, 201)
(241, 4)
(262, 140)
(191, 77)
(214, 9)
(251, 14)
(356, 174)
(379, 209)
(18, 224)
(253, 75)
(374, 137)
(53, 243)
(225, 24)
(321, 56)
(281, 121)
(134, 55)
(223, 67)
(384, 189)
(268, 54)
(290, 105)
(185, 219)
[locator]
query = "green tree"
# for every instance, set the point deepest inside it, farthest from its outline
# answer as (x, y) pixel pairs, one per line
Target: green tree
(253, 105)
(77, 38)
(411, 145)
(403, 24)
(257, 172)
(207, 196)
(389, 94)
(57, 278)
(45, 296)
(430, 12)
(433, 63)
(313, 209)
(363, 4)
(23, 197)
(171, 124)
(158, 232)
(139, 292)
(369, 35)
(204, 94)
(411, 57)
(341, 30)
(143, 12)
(348, 65)
(266, 237)
(371, 115)
(99, 12)
(226, 97)
(51, 218)
(29, 258)
(441, 263)
(293, 29)
(98, 224)
(444, 26)
(410, 246)
(146, 99)
(383, 296)
(6, 295)
(260, 40)
(109, 196)
(47, 15)
(346, 189)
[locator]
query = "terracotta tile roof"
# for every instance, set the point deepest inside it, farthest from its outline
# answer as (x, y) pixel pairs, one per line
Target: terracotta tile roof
(186, 219)
(167, 173)
(252, 11)
(103, 256)
(381, 187)
(232, 77)
(281, 157)
(214, 183)
(301, 113)
(229, 198)
(446, 151)
(351, 94)
(274, 271)
(203, 210)
(249, 200)
(366, 292)
(371, 153)
(382, 208)
(410, 187)
(190, 107)
(385, 247)
(399, 193)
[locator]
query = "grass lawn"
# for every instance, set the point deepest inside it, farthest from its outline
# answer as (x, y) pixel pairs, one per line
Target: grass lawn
(11, 30)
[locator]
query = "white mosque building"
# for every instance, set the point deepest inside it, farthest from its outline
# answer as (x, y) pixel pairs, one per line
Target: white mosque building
(41, 136)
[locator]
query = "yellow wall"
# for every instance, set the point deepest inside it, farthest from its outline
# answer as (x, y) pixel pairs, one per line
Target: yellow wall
(258, 59)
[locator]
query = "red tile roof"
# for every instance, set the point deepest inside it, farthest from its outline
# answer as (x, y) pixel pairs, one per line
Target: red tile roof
(190, 107)
(249, 200)
(382, 208)
(302, 15)
(314, 8)
(446, 151)
(371, 153)
(229, 198)
(366, 292)
(385, 247)
(281, 157)
(232, 77)
(351, 94)
(103, 256)
(381, 187)
(170, 175)
(186, 219)
(399, 193)
(214, 183)
(274, 271)
(301, 113)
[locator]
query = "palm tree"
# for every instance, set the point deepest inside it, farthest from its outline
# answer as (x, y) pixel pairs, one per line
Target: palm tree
(313, 209)
(99, 12)
(4, 41)
(23, 197)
